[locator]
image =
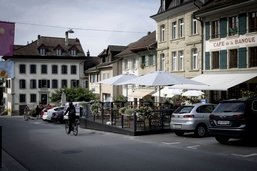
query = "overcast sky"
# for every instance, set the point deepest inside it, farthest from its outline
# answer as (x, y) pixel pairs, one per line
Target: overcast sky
(124, 21)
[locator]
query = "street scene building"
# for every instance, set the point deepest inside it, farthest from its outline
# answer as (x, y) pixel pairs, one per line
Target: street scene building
(43, 66)
(229, 47)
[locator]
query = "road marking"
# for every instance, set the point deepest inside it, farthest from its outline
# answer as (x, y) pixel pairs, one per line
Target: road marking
(171, 143)
(193, 147)
(245, 156)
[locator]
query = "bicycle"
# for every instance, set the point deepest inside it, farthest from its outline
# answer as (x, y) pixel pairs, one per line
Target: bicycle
(74, 128)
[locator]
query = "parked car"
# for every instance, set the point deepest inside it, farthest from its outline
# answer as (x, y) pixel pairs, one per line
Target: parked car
(45, 110)
(48, 115)
(192, 118)
(234, 119)
(57, 115)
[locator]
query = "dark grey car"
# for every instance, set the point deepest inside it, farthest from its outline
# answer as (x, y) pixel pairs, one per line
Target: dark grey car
(235, 118)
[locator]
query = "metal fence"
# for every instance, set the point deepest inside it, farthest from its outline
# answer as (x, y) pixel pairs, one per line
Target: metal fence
(109, 115)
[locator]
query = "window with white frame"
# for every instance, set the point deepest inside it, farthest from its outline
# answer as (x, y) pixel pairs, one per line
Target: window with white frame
(181, 60)
(22, 84)
(252, 24)
(194, 26)
(174, 30)
(33, 98)
(215, 29)
(104, 76)
(58, 52)
(22, 98)
(174, 61)
(126, 64)
(233, 25)
(73, 52)
(162, 33)
(42, 51)
(133, 61)
(194, 59)
(181, 27)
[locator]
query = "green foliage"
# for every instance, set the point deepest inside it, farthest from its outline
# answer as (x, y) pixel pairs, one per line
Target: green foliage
(120, 98)
(95, 108)
(247, 93)
(73, 94)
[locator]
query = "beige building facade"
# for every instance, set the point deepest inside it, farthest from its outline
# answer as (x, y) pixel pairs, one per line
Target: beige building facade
(178, 38)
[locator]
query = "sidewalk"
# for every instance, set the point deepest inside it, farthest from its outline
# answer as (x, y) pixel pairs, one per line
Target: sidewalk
(10, 164)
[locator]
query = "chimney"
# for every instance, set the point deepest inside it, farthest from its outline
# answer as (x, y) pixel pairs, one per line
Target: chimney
(67, 36)
(88, 53)
(38, 40)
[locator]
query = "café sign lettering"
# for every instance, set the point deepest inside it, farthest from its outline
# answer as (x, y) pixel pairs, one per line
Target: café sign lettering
(225, 43)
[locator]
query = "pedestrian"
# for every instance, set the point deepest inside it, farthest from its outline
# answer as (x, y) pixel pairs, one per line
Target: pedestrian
(37, 111)
(72, 115)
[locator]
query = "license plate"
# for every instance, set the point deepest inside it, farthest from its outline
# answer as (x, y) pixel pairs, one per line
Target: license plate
(223, 122)
(177, 126)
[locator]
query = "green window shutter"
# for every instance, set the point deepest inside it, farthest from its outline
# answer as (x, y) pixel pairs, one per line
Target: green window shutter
(154, 60)
(242, 24)
(207, 30)
(223, 27)
(223, 59)
(242, 58)
(207, 60)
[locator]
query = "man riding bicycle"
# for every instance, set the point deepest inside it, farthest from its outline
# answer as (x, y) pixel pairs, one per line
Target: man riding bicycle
(72, 115)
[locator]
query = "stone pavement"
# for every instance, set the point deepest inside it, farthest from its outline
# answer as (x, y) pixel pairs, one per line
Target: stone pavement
(10, 164)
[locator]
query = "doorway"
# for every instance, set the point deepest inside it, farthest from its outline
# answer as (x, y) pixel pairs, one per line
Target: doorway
(44, 99)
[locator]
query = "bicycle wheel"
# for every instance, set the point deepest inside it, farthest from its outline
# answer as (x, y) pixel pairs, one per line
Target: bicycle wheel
(75, 129)
(67, 127)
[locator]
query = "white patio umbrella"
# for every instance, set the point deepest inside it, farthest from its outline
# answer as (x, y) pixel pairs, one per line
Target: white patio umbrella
(193, 93)
(168, 92)
(160, 78)
(118, 80)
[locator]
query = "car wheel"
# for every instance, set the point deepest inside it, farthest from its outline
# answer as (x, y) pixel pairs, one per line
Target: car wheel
(201, 131)
(222, 140)
(179, 133)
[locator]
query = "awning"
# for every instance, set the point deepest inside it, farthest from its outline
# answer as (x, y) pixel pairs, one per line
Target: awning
(218, 81)
(140, 93)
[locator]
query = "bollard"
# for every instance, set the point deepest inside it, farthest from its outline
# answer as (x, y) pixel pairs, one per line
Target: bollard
(0, 146)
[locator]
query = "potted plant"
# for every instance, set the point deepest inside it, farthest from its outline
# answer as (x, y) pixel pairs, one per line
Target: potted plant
(95, 108)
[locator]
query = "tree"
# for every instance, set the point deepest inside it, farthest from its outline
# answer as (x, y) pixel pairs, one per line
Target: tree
(73, 94)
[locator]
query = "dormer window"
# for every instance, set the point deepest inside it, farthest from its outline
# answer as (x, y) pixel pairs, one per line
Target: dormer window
(73, 52)
(58, 52)
(42, 51)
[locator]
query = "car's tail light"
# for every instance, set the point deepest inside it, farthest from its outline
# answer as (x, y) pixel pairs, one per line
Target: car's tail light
(239, 117)
(188, 116)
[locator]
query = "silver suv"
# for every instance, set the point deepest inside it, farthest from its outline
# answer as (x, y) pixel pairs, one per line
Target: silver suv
(192, 118)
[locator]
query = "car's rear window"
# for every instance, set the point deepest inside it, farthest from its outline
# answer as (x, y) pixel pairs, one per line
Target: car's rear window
(184, 109)
(230, 107)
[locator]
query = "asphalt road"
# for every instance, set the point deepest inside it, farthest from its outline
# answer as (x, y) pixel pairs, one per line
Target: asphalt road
(40, 145)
